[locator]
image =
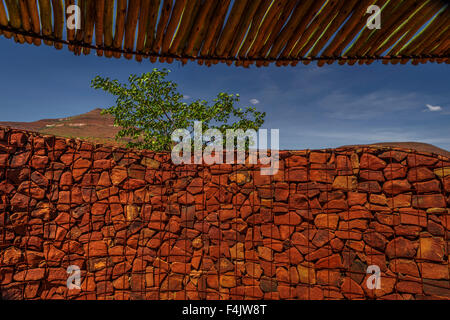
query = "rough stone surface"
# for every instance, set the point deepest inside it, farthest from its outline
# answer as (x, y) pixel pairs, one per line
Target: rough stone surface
(140, 227)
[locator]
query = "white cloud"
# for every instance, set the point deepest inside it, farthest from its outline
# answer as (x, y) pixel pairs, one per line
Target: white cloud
(433, 108)
(185, 97)
(254, 101)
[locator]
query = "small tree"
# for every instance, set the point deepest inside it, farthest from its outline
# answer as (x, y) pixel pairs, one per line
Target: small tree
(150, 108)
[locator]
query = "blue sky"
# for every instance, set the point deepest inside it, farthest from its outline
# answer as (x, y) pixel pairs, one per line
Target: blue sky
(313, 107)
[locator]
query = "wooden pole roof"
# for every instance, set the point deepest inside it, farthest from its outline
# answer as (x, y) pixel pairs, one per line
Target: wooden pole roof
(243, 32)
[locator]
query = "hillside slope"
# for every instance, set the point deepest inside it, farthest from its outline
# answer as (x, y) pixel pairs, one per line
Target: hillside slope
(419, 146)
(95, 127)
(91, 126)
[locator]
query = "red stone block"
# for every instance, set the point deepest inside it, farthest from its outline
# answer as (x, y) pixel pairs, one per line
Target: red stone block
(445, 219)
(414, 287)
(401, 248)
(270, 231)
(375, 240)
(336, 205)
(185, 198)
(11, 256)
(96, 249)
(326, 176)
(268, 285)
(348, 235)
(99, 208)
(103, 288)
(446, 183)
(121, 269)
(252, 292)
(102, 164)
(415, 160)
(381, 228)
(428, 186)
(329, 277)
(326, 221)
(394, 187)
(21, 201)
(429, 201)
(133, 184)
(4, 160)
(297, 175)
(372, 175)
(32, 189)
(369, 187)
(404, 266)
(318, 157)
(296, 161)
(295, 257)
(410, 216)
(57, 276)
(80, 167)
(31, 290)
(434, 270)
(30, 275)
(337, 244)
(281, 193)
(332, 262)
(286, 292)
(322, 237)
(18, 139)
(19, 159)
(356, 212)
(64, 219)
(356, 198)
(121, 283)
(351, 289)
(195, 186)
(66, 179)
(69, 157)
(309, 293)
(290, 218)
(261, 180)
(395, 171)
(298, 201)
(369, 161)
(420, 174)
(343, 163)
(432, 249)
(393, 154)
(435, 228)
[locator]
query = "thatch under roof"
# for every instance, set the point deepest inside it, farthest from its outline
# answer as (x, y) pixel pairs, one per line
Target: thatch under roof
(243, 32)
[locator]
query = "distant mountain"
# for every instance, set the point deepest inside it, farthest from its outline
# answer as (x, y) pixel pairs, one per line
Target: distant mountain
(95, 127)
(91, 126)
(419, 146)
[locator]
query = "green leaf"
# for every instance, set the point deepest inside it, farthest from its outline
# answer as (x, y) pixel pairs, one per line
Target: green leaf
(149, 108)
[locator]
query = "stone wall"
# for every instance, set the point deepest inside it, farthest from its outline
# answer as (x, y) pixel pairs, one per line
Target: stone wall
(139, 227)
